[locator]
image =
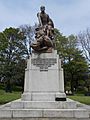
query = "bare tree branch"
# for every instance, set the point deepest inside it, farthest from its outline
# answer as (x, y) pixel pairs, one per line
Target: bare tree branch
(84, 40)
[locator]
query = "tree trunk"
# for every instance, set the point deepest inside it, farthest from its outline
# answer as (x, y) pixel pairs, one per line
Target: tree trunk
(72, 84)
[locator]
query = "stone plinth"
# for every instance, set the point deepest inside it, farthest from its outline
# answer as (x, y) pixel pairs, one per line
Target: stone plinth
(18, 104)
(43, 97)
(44, 78)
(7, 113)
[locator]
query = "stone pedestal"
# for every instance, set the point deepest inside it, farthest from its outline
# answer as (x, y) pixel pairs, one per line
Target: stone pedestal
(44, 78)
(43, 97)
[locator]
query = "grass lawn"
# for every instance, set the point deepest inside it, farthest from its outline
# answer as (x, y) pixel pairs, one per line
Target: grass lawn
(81, 98)
(7, 97)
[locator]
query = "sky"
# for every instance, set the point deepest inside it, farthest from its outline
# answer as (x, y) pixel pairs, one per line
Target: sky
(69, 16)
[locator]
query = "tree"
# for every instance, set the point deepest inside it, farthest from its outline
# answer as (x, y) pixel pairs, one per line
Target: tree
(60, 44)
(3, 45)
(84, 41)
(28, 32)
(75, 70)
(74, 64)
(13, 52)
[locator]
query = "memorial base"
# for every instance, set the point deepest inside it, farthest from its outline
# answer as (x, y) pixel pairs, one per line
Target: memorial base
(43, 97)
(44, 79)
(43, 110)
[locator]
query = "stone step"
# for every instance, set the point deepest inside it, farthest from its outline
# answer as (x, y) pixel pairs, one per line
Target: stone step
(45, 113)
(43, 104)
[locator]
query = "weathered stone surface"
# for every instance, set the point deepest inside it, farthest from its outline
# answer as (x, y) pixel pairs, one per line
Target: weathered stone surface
(49, 105)
(44, 78)
(5, 113)
(18, 104)
(81, 113)
(32, 118)
(44, 83)
(24, 113)
(44, 114)
(62, 113)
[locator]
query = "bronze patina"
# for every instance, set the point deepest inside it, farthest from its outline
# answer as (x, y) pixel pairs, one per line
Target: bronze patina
(44, 33)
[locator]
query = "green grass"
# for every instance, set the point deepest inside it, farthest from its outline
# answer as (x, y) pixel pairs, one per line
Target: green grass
(7, 97)
(81, 98)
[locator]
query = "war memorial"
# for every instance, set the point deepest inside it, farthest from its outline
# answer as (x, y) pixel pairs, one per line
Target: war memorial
(44, 97)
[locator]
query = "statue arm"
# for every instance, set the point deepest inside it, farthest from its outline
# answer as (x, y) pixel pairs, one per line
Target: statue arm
(50, 20)
(39, 19)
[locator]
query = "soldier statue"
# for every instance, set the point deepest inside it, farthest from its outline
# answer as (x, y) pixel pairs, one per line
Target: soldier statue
(44, 33)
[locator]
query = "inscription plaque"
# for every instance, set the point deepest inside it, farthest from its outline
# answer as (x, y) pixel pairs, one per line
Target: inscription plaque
(43, 64)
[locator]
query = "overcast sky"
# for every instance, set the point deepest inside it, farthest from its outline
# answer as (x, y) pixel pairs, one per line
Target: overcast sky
(69, 16)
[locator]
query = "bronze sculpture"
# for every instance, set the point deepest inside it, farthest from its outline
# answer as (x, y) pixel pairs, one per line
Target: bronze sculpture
(44, 33)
